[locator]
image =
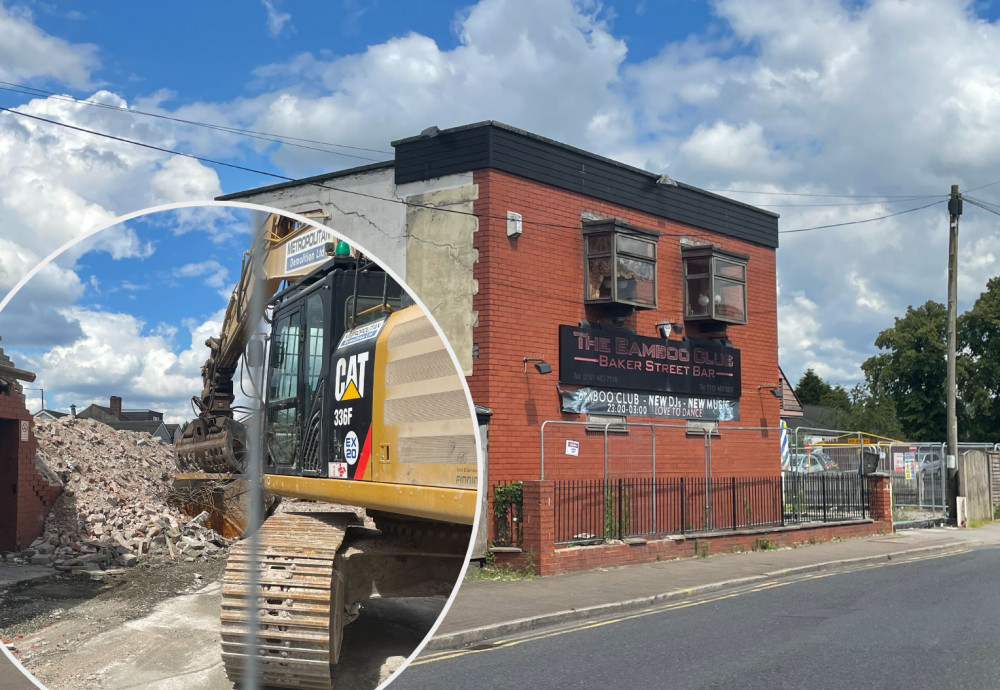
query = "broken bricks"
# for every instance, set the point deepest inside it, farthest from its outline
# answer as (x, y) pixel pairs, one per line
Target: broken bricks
(114, 508)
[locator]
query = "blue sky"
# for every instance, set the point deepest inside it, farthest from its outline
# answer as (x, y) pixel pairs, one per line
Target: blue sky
(811, 109)
(138, 325)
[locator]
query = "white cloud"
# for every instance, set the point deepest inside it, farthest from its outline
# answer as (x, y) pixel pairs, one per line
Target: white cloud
(832, 97)
(181, 178)
(58, 183)
(215, 275)
(549, 67)
(803, 344)
(726, 151)
(117, 354)
(27, 52)
(277, 21)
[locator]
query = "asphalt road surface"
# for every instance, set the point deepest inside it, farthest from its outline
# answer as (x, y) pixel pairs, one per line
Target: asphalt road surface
(930, 622)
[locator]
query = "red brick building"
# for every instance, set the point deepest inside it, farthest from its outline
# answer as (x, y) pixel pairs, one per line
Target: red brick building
(512, 239)
(26, 497)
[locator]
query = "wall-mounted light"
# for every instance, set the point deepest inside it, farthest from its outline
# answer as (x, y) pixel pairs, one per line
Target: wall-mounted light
(541, 366)
(665, 328)
(775, 390)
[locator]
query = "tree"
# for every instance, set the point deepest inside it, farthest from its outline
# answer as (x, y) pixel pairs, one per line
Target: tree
(911, 371)
(836, 397)
(979, 366)
(870, 411)
(811, 388)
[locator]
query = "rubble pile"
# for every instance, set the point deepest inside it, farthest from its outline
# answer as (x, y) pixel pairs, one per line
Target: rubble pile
(114, 509)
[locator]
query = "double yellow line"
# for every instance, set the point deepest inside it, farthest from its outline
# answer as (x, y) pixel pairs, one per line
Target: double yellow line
(673, 606)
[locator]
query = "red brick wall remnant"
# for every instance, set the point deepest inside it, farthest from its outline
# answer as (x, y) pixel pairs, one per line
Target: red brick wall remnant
(26, 497)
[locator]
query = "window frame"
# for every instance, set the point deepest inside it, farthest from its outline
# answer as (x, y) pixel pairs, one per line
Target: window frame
(718, 261)
(618, 230)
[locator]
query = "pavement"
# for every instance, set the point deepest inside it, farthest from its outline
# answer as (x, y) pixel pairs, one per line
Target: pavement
(486, 610)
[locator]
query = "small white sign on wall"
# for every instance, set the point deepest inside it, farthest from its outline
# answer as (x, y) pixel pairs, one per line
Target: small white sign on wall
(25, 430)
(572, 448)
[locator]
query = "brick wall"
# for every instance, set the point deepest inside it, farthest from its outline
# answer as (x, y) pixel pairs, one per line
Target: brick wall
(25, 496)
(531, 284)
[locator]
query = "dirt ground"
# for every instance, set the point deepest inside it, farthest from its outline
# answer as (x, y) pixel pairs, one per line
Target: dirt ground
(156, 626)
(48, 620)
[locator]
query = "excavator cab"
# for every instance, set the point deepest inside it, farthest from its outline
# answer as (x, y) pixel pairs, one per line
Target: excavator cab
(308, 319)
(317, 413)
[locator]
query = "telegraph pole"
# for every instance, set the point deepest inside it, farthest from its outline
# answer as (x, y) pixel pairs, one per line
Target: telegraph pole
(954, 211)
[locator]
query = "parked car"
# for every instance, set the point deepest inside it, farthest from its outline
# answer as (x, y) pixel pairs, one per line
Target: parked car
(811, 463)
(929, 463)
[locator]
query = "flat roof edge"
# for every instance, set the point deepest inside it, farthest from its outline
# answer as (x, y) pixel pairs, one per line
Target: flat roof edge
(307, 180)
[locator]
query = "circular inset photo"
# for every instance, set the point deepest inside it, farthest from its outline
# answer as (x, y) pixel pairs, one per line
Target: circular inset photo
(242, 453)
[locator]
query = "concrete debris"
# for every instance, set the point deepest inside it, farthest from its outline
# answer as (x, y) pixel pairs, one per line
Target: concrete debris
(114, 509)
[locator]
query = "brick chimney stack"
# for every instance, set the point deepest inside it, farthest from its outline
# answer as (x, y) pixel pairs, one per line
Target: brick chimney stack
(116, 407)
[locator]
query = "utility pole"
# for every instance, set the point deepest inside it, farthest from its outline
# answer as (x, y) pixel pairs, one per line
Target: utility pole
(954, 211)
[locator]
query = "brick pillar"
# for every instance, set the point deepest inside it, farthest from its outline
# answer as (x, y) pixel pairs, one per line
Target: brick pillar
(538, 535)
(880, 498)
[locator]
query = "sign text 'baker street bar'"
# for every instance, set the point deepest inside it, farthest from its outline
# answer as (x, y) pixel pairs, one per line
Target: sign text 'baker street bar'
(618, 358)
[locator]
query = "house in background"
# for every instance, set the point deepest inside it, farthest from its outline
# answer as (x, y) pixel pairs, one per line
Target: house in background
(114, 416)
(46, 413)
(791, 408)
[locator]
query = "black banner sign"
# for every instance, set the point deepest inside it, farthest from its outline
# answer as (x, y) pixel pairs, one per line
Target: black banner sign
(618, 358)
(644, 404)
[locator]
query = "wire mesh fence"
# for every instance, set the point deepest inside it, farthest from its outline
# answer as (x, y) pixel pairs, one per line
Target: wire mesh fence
(918, 471)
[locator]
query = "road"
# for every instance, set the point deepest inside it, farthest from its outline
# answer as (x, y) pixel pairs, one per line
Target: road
(929, 622)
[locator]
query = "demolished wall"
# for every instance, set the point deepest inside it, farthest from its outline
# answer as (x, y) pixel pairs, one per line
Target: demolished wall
(25, 495)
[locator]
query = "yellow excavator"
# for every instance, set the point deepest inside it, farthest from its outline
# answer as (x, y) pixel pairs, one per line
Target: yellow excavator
(362, 406)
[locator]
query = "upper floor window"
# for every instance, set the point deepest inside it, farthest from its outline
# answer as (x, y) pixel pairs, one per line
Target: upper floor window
(715, 285)
(619, 264)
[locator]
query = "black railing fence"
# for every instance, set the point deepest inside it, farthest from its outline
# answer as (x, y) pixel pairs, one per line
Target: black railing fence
(825, 497)
(592, 510)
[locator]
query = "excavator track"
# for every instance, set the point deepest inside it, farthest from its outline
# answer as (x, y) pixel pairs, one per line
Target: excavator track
(299, 600)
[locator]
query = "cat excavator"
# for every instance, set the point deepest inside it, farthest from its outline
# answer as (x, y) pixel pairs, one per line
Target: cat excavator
(362, 407)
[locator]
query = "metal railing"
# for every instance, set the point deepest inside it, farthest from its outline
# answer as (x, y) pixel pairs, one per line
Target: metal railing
(824, 497)
(595, 510)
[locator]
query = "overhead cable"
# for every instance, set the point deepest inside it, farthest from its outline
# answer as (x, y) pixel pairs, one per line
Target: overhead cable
(254, 134)
(865, 220)
(403, 202)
